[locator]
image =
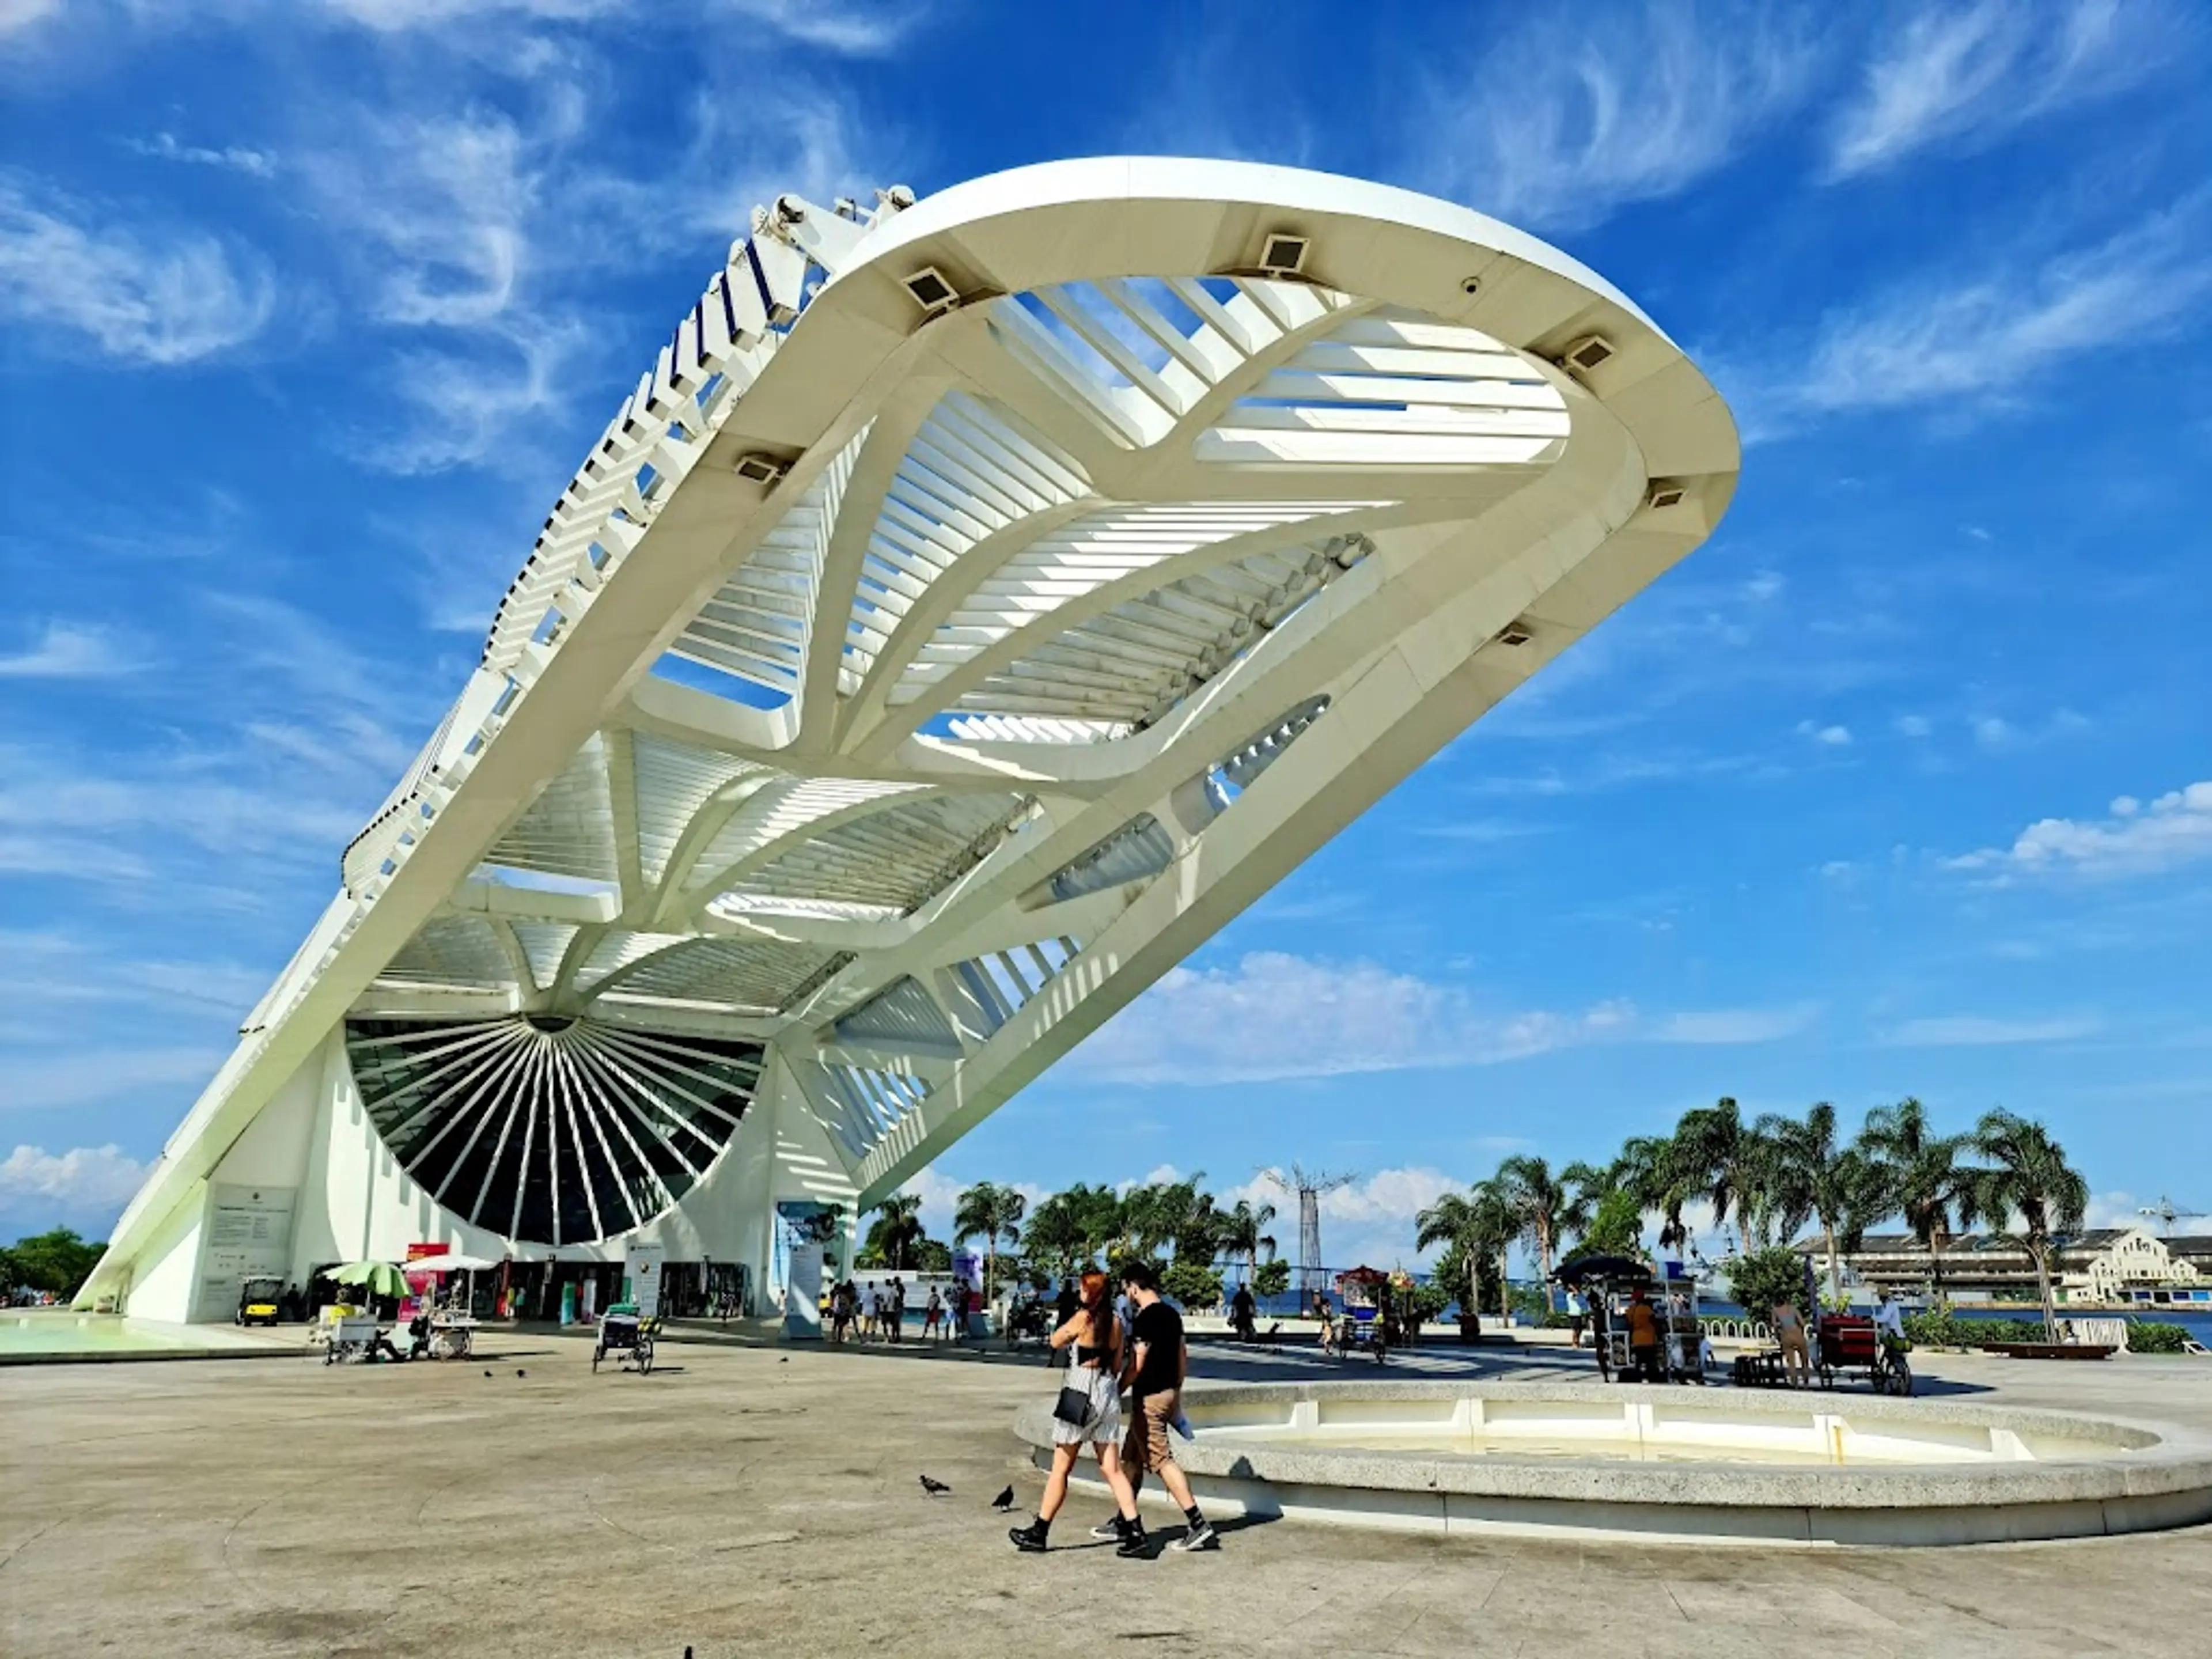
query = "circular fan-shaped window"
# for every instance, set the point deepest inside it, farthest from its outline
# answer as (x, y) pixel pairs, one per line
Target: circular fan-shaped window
(550, 1129)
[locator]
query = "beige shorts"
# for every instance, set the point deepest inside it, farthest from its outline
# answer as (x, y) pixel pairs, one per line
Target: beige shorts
(1146, 1446)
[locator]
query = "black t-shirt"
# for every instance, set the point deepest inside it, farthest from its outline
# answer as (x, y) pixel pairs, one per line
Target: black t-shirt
(1159, 1327)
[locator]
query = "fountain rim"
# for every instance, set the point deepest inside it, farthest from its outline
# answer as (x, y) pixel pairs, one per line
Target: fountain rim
(2150, 1460)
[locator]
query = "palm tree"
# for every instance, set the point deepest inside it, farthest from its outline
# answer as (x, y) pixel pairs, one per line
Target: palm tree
(1541, 1205)
(1924, 1176)
(1478, 1224)
(995, 1212)
(1813, 1178)
(1242, 1236)
(1649, 1168)
(1714, 1154)
(2028, 1177)
(899, 1231)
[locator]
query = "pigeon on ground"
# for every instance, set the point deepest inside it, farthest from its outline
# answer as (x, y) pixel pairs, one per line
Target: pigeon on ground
(785, 1360)
(1003, 1501)
(518, 1371)
(487, 1371)
(934, 1488)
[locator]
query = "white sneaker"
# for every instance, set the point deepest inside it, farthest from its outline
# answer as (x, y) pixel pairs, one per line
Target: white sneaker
(1199, 1537)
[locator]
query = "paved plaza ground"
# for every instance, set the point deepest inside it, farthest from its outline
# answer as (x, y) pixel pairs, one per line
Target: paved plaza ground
(751, 1499)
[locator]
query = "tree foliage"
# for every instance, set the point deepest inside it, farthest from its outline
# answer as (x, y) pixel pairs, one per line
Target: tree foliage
(1763, 1278)
(1192, 1284)
(57, 1261)
(894, 1237)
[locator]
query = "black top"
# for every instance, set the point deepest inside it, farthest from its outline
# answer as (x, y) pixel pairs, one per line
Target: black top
(1099, 1357)
(1158, 1330)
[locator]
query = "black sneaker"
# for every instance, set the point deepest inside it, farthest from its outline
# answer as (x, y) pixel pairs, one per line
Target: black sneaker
(1029, 1539)
(1108, 1531)
(1133, 1546)
(1199, 1537)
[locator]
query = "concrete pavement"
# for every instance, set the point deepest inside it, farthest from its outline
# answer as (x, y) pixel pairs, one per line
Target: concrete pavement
(749, 1499)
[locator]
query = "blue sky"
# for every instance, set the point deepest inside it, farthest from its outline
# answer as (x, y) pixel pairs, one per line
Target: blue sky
(1901, 786)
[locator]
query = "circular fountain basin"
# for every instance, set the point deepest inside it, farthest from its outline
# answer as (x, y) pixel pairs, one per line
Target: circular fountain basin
(1595, 1459)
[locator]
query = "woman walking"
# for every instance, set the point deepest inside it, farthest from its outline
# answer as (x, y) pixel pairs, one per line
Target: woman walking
(1097, 1337)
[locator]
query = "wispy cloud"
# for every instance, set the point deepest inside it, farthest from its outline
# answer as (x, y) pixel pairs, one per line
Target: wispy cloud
(1976, 1031)
(138, 295)
(1970, 343)
(1960, 78)
(33, 1082)
(163, 146)
(17, 16)
(857, 30)
(2132, 840)
(69, 651)
(1569, 118)
(1202, 1025)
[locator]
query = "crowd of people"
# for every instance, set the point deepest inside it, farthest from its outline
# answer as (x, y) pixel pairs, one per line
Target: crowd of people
(877, 1312)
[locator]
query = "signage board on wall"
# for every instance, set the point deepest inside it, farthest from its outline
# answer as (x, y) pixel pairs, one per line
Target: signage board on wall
(247, 1235)
(644, 1264)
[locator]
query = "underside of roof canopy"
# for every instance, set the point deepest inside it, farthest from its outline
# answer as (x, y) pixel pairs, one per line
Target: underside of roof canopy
(980, 601)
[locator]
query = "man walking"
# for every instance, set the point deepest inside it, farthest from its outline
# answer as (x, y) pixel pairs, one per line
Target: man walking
(1158, 1362)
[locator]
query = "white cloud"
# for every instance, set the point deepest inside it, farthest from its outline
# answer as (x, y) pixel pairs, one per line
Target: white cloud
(1274, 1016)
(1914, 725)
(1961, 77)
(1976, 1031)
(1832, 737)
(163, 146)
(137, 296)
(68, 651)
(2174, 829)
(1969, 343)
(84, 1178)
(1569, 118)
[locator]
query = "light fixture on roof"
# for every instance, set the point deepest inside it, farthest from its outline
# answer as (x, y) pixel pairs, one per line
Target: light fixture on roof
(1283, 254)
(1665, 492)
(931, 289)
(1517, 632)
(757, 468)
(1587, 353)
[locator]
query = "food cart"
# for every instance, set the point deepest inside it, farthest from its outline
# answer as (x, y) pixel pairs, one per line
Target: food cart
(1365, 1293)
(1609, 1283)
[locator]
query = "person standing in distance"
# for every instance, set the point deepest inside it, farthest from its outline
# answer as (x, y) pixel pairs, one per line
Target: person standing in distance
(1158, 1362)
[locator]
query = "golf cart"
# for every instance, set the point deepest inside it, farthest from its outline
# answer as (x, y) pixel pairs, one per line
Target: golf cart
(258, 1301)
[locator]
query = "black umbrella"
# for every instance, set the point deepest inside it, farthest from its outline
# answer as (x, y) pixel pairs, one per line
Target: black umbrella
(1585, 1268)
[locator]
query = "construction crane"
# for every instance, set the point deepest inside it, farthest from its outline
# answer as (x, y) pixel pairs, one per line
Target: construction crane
(2167, 1213)
(1309, 1185)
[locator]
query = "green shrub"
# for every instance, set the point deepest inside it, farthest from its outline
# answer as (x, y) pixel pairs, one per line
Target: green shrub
(1759, 1281)
(1192, 1284)
(2156, 1336)
(1270, 1278)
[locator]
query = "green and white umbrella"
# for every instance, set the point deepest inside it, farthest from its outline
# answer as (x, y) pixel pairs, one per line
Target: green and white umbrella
(380, 1278)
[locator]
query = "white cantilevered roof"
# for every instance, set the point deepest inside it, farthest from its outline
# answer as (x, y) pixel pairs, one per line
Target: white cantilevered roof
(977, 603)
